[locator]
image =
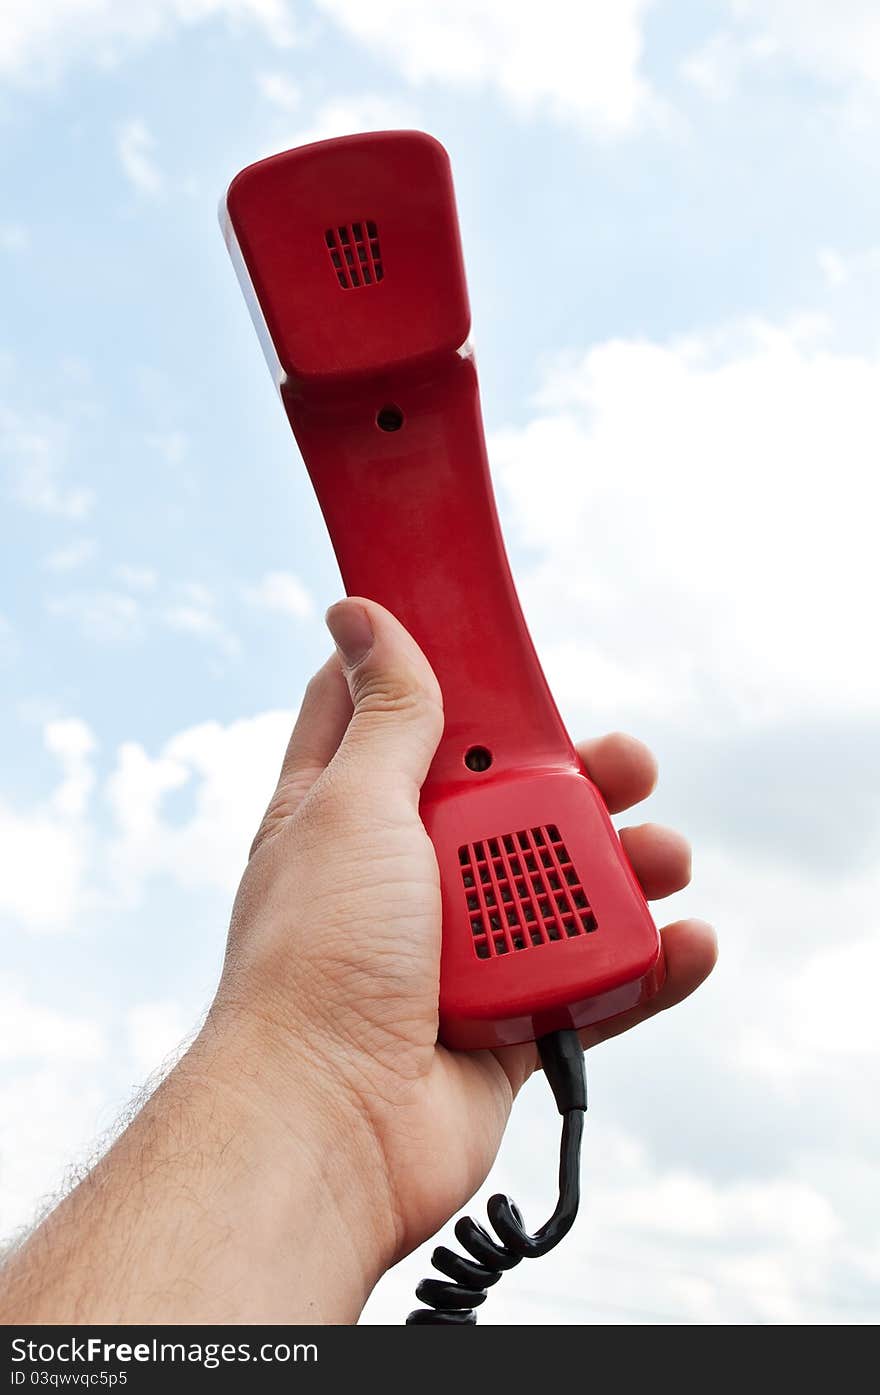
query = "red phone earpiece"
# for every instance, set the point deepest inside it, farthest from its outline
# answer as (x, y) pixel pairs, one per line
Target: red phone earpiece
(349, 255)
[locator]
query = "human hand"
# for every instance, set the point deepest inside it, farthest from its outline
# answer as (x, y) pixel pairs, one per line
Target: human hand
(314, 1132)
(334, 947)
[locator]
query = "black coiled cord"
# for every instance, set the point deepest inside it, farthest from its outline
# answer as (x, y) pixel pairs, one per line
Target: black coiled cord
(451, 1301)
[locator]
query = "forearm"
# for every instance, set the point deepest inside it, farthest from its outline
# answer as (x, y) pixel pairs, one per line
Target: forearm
(235, 1196)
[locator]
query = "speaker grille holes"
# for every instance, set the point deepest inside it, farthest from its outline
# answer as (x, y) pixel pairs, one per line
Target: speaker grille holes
(478, 758)
(355, 254)
(389, 417)
(548, 905)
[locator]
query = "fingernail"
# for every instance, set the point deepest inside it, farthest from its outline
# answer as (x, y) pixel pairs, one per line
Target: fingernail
(349, 624)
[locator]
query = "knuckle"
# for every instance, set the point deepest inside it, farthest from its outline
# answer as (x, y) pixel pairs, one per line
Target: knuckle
(353, 806)
(314, 686)
(281, 809)
(329, 808)
(393, 698)
(396, 687)
(388, 693)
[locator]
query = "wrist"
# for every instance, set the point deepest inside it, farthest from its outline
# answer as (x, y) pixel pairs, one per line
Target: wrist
(310, 1177)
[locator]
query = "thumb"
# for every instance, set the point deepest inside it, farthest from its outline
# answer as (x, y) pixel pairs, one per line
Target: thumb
(398, 708)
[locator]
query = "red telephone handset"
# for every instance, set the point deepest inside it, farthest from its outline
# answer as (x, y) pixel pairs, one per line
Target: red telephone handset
(349, 255)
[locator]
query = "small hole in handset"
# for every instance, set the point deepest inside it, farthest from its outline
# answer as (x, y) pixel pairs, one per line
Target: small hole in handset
(478, 758)
(389, 417)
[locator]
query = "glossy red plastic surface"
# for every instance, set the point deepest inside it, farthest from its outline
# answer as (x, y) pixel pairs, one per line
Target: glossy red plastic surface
(544, 923)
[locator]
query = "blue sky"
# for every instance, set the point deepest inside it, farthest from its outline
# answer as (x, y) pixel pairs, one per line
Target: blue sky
(670, 228)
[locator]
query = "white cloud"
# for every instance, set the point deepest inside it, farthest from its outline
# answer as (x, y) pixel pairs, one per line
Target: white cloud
(839, 980)
(59, 862)
(7, 639)
(71, 556)
(231, 772)
(576, 61)
(279, 90)
(113, 616)
(46, 849)
(194, 613)
(284, 592)
(107, 617)
(717, 67)
(837, 41)
(38, 41)
(136, 788)
(833, 267)
(789, 1015)
(135, 146)
(859, 267)
(839, 44)
(14, 237)
(72, 743)
(36, 454)
(48, 1120)
(32, 1032)
(136, 578)
(157, 1033)
(171, 445)
(703, 526)
(340, 116)
(194, 620)
(653, 1243)
(62, 1089)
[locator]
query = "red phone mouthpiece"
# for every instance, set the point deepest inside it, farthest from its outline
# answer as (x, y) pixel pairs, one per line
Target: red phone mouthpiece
(349, 255)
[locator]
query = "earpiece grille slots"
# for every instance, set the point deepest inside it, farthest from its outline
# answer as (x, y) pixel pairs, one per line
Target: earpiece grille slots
(355, 254)
(522, 891)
